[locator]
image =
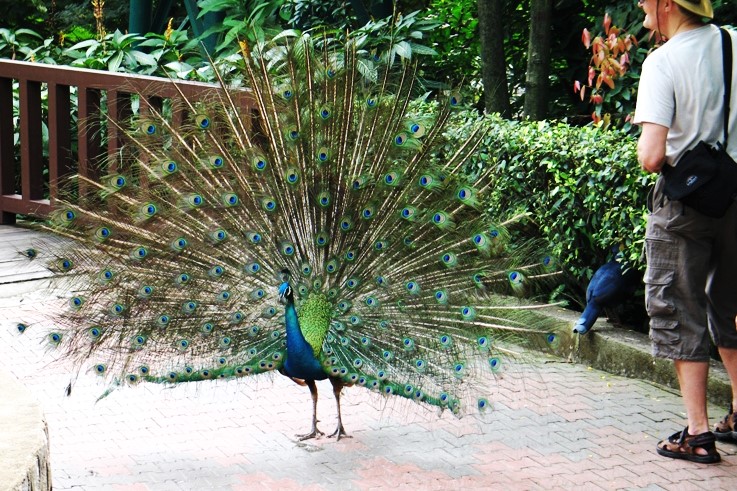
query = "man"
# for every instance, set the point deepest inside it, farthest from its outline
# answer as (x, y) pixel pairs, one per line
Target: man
(691, 277)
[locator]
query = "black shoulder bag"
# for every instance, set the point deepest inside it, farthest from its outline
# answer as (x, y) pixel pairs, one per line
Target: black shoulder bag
(705, 178)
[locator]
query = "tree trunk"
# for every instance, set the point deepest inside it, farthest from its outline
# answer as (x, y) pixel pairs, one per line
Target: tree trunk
(538, 59)
(493, 62)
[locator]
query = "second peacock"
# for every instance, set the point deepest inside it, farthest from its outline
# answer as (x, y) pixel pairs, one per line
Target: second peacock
(325, 233)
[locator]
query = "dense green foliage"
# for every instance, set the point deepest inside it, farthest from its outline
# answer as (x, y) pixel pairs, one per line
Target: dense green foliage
(580, 188)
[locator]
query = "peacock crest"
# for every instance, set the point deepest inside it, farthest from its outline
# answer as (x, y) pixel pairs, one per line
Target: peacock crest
(327, 232)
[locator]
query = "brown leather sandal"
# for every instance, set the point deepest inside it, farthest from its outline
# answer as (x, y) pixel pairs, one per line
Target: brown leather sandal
(726, 429)
(681, 445)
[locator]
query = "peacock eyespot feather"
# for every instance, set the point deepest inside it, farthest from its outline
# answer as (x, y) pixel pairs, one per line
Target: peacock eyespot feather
(293, 134)
(229, 199)
(236, 317)
(323, 199)
(207, 328)
(420, 365)
(483, 343)
(417, 130)
(459, 369)
(21, 327)
(446, 341)
(287, 248)
(178, 245)
(148, 128)
(306, 269)
(381, 245)
(168, 168)
(441, 296)
(216, 162)
(189, 307)
(371, 102)
(331, 266)
(292, 176)
(259, 163)
(322, 239)
(468, 313)
(223, 296)
(181, 279)
(346, 224)
(257, 294)
(495, 364)
(483, 405)
(102, 233)
(163, 320)
(350, 256)
(408, 344)
(145, 291)
(55, 338)
(225, 342)
(268, 312)
(253, 237)
(455, 99)
(325, 112)
(100, 368)
(216, 271)
(252, 268)
(413, 287)
(553, 340)
(268, 204)
(449, 259)
(75, 303)
(105, 276)
(400, 139)
(202, 121)
(182, 344)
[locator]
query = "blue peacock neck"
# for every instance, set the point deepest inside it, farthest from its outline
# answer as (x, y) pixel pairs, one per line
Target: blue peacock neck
(300, 361)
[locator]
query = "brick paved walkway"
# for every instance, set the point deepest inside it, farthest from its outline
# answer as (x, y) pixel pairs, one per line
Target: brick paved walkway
(555, 426)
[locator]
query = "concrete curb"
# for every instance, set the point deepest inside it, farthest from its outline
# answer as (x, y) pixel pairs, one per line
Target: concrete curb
(24, 439)
(624, 352)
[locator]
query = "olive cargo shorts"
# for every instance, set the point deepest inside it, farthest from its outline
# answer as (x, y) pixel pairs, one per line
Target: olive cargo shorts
(691, 276)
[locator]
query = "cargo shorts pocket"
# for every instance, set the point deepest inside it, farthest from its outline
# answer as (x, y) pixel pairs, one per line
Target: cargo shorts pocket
(664, 332)
(658, 302)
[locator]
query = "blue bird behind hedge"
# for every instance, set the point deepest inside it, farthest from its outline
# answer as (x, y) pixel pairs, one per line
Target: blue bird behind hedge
(609, 287)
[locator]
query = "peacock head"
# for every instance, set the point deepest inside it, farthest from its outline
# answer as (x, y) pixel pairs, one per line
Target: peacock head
(286, 296)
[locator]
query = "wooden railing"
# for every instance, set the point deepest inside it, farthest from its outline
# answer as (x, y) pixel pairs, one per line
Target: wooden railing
(30, 176)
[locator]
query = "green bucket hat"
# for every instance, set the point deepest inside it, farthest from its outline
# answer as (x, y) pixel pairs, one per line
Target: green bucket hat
(698, 7)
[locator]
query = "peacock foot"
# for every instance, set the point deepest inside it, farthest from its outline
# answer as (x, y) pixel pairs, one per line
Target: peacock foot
(313, 434)
(339, 432)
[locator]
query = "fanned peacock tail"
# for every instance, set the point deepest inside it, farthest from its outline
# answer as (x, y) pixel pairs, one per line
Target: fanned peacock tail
(336, 185)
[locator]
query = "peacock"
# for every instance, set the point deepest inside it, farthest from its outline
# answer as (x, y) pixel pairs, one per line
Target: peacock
(329, 232)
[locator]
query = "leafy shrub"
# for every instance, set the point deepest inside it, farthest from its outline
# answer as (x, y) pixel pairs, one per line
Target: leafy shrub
(580, 187)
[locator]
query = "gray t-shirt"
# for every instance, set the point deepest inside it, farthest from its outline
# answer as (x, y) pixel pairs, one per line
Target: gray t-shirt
(682, 88)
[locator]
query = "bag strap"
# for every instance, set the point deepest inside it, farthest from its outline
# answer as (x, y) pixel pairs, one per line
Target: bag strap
(727, 63)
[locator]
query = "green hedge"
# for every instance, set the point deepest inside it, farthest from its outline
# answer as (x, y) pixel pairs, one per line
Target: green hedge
(581, 188)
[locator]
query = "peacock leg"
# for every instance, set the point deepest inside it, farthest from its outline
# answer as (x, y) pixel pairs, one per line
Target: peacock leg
(339, 431)
(315, 432)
